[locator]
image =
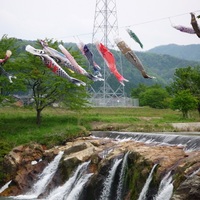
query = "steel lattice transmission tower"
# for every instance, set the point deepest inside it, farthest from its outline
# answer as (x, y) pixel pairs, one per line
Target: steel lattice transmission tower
(104, 30)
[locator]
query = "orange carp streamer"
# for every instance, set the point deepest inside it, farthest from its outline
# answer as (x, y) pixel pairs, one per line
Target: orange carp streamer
(110, 62)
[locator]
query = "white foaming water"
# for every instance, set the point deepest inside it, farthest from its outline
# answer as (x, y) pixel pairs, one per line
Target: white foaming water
(166, 193)
(108, 181)
(75, 193)
(165, 189)
(5, 186)
(189, 142)
(62, 192)
(195, 172)
(146, 185)
(44, 178)
(121, 178)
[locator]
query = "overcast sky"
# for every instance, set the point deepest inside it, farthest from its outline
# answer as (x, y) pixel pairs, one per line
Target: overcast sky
(68, 19)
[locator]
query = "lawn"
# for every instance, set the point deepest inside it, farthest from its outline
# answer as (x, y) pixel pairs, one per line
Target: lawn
(18, 125)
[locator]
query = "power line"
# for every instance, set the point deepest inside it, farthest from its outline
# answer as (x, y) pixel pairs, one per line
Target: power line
(159, 19)
(136, 24)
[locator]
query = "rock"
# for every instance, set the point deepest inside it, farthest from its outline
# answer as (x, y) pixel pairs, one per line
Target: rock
(21, 156)
(18, 166)
(188, 189)
(24, 163)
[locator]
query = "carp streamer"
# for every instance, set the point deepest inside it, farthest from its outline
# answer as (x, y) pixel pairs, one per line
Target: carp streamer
(195, 29)
(67, 60)
(76, 67)
(134, 36)
(90, 57)
(2, 62)
(131, 57)
(110, 61)
(195, 25)
(51, 64)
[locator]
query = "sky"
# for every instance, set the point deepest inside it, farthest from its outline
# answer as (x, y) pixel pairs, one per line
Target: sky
(69, 20)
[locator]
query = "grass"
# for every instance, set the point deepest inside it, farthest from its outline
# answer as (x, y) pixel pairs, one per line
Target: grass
(18, 125)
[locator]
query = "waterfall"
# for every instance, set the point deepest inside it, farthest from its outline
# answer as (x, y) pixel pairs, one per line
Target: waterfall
(44, 178)
(194, 173)
(165, 188)
(73, 185)
(121, 178)
(5, 186)
(108, 181)
(75, 193)
(146, 185)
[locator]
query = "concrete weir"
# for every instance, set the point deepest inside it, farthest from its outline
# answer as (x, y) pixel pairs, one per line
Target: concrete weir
(189, 140)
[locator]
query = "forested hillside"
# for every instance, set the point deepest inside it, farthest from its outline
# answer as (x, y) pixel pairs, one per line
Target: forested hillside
(160, 66)
(187, 52)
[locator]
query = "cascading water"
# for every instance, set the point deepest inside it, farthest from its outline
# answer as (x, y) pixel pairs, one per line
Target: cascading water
(121, 178)
(195, 172)
(75, 193)
(165, 188)
(109, 180)
(5, 186)
(44, 178)
(73, 186)
(146, 185)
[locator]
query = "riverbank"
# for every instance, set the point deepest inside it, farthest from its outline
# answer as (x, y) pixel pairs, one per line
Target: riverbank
(18, 125)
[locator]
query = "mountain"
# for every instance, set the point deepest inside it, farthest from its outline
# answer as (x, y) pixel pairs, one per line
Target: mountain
(186, 52)
(161, 66)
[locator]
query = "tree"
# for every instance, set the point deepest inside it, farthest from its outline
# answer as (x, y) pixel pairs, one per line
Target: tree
(48, 88)
(6, 88)
(186, 79)
(35, 79)
(154, 96)
(185, 102)
(135, 92)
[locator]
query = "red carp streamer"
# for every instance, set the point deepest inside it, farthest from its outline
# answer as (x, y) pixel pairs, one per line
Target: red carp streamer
(110, 61)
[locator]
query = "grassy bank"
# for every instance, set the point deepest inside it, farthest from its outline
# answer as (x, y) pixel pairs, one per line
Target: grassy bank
(17, 125)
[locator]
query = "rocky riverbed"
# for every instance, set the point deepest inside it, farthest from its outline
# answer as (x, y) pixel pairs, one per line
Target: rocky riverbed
(23, 164)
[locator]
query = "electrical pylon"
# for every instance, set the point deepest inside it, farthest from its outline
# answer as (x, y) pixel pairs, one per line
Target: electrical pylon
(104, 30)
